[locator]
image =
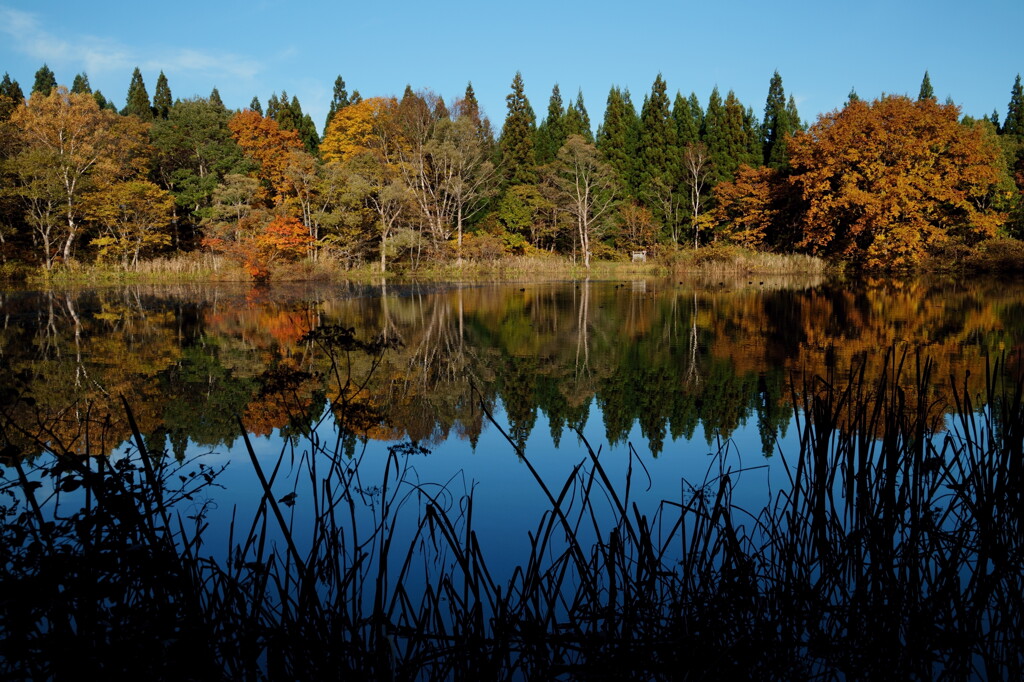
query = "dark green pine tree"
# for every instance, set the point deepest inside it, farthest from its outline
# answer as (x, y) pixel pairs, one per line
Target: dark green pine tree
(714, 118)
(356, 98)
(1014, 122)
(162, 100)
(469, 105)
(755, 138)
(657, 149)
(287, 117)
(725, 136)
(777, 125)
(516, 143)
(255, 105)
(574, 124)
(80, 86)
(853, 96)
(137, 103)
(581, 110)
(697, 111)
(45, 81)
(616, 138)
(927, 91)
(550, 136)
(308, 134)
(102, 102)
(994, 118)
(216, 101)
(687, 131)
(338, 101)
(11, 96)
(794, 116)
(273, 106)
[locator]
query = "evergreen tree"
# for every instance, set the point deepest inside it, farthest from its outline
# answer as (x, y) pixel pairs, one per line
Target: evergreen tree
(755, 138)
(714, 118)
(338, 102)
(286, 116)
(273, 107)
(777, 125)
(550, 135)
(573, 123)
(581, 110)
(216, 101)
(794, 116)
(80, 86)
(726, 136)
(102, 102)
(687, 131)
(657, 147)
(11, 97)
(470, 107)
(162, 100)
(516, 144)
(137, 103)
(853, 96)
(616, 140)
(254, 105)
(45, 81)
(356, 98)
(926, 92)
(698, 114)
(994, 118)
(1014, 122)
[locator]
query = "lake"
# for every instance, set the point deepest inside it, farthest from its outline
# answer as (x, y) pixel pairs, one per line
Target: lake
(489, 401)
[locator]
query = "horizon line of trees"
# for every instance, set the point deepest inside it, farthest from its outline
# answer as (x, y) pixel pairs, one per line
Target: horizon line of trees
(412, 179)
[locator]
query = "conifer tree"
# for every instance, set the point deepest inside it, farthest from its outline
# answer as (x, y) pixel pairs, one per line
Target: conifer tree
(273, 106)
(994, 118)
(11, 96)
(470, 107)
(926, 92)
(516, 144)
(162, 100)
(573, 123)
(80, 86)
(338, 101)
(356, 98)
(216, 101)
(778, 125)
(581, 110)
(794, 116)
(687, 131)
(657, 148)
(1014, 122)
(255, 105)
(726, 136)
(697, 112)
(550, 135)
(137, 103)
(45, 81)
(102, 102)
(615, 138)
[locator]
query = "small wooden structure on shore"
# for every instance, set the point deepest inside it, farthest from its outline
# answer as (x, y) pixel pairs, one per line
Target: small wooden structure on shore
(640, 256)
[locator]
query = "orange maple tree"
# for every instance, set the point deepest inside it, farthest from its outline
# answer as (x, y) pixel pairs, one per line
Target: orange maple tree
(358, 128)
(263, 141)
(884, 182)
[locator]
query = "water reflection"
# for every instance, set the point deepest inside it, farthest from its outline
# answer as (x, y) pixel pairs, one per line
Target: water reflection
(678, 359)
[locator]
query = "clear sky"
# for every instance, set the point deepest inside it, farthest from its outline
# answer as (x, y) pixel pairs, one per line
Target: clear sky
(822, 49)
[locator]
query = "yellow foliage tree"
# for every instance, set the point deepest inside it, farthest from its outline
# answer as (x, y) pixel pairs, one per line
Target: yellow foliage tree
(357, 128)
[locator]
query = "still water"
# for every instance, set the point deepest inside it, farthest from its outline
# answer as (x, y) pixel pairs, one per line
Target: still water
(670, 383)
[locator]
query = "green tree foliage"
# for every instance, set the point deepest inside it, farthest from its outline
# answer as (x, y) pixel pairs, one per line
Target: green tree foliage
(1014, 123)
(516, 143)
(102, 102)
(550, 133)
(137, 103)
(339, 100)
(255, 105)
(579, 123)
(658, 154)
(726, 136)
(616, 137)
(215, 99)
(45, 81)
(777, 125)
(927, 91)
(687, 129)
(81, 85)
(287, 113)
(11, 97)
(162, 100)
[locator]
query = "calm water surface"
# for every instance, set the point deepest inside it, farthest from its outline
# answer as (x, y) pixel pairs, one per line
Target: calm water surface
(672, 383)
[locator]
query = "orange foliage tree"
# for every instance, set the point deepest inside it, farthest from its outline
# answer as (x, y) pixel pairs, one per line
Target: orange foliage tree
(360, 127)
(285, 238)
(264, 142)
(756, 209)
(886, 181)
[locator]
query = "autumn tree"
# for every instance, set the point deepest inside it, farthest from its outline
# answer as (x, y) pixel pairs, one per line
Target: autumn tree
(749, 209)
(358, 128)
(263, 141)
(132, 217)
(885, 182)
(588, 185)
(11, 97)
(68, 143)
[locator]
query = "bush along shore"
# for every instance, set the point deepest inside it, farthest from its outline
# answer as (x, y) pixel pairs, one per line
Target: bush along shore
(895, 552)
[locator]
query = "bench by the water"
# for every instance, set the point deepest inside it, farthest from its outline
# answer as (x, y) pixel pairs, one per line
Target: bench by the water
(640, 256)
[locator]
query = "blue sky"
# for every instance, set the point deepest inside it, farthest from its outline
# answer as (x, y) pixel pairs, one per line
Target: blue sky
(821, 49)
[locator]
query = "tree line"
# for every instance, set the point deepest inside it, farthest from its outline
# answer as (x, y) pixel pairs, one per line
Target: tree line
(414, 179)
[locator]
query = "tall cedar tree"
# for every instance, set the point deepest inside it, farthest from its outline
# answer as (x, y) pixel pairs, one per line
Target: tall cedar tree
(616, 138)
(712, 133)
(45, 81)
(1014, 124)
(11, 97)
(80, 86)
(470, 107)
(516, 144)
(255, 105)
(550, 133)
(727, 136)
(687, 130)
(137, 103)
(777, 125)
(657, 148)
(215, 99)
(698, 114)
(162, 100)
(583, 126)
(927, 91)
(338, 101)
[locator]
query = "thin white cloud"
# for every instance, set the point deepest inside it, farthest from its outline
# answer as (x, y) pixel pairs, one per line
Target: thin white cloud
(25, 34)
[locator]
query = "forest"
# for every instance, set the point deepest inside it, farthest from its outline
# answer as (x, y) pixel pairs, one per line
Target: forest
(401, 183)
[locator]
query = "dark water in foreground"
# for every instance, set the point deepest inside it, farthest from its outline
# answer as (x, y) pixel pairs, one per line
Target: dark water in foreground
(682, 391)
